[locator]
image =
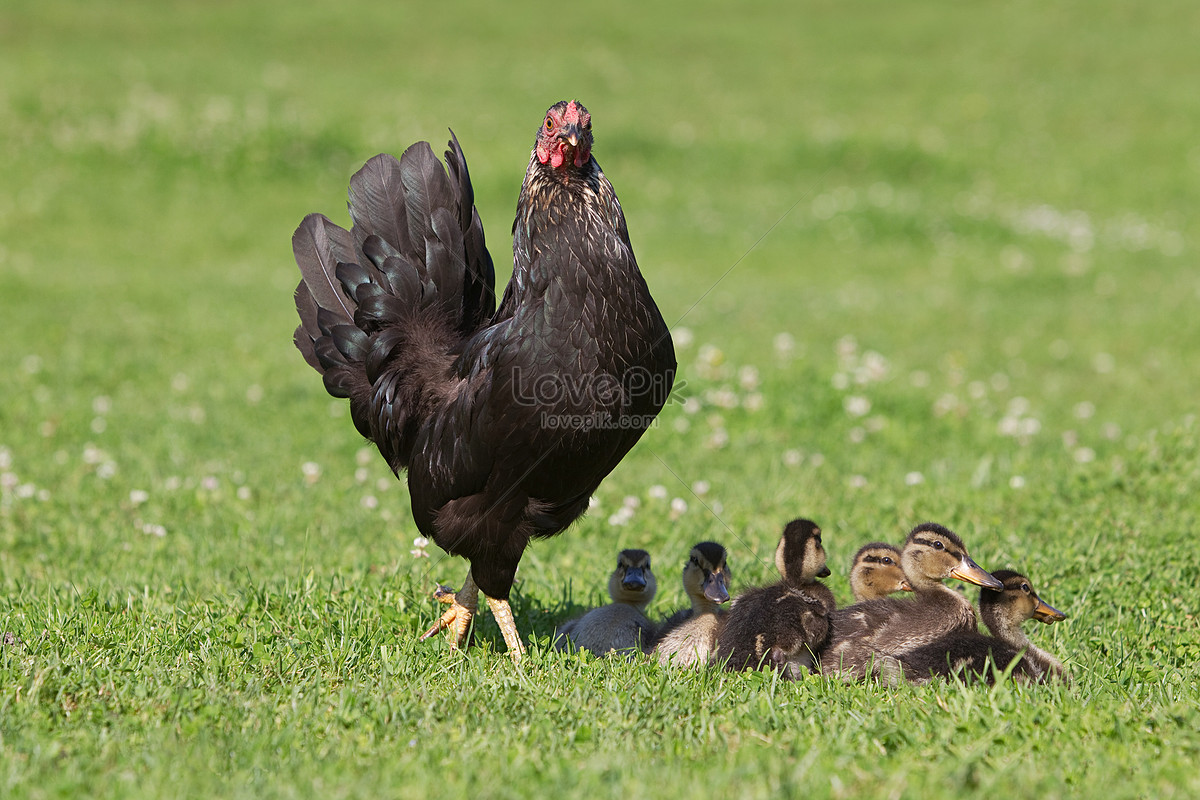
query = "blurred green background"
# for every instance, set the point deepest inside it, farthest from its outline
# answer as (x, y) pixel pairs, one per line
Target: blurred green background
(923, 260)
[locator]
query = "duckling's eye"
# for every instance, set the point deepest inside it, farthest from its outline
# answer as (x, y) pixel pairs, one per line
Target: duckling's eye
(1025, 588)
(886, 560)
(938, 545)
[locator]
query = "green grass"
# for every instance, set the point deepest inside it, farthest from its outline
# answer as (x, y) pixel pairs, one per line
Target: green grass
(975, 224)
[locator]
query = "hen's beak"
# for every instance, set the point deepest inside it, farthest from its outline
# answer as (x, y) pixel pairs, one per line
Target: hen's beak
(571, 135)
(967, 570)
(1047, 613)
(715, 588)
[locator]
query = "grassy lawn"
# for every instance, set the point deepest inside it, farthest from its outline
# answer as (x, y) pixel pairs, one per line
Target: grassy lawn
(922, 261)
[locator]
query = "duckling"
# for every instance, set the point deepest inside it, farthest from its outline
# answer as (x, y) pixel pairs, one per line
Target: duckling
(973, 655)
(688, 637)
(622, 625)
(866, 632)
(782, 625)
(875, 572)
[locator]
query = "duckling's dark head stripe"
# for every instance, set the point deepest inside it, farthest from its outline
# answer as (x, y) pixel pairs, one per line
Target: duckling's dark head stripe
(930, 543)
(633, 558)
(948, 536)
(708, 555)
(881, 546)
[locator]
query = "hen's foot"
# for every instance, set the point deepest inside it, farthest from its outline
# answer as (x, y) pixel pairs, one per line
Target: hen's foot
(463, 604)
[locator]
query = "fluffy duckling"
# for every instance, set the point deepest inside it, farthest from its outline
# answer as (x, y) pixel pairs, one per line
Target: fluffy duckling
(688, 637)
(973, 655)
(867, 632)
(875, 572)
(781, 626)
(622, 625)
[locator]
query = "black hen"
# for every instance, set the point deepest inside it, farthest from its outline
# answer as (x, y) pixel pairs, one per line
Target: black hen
(506, 418)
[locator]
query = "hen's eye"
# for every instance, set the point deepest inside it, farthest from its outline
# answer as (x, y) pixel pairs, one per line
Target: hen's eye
(549, 124)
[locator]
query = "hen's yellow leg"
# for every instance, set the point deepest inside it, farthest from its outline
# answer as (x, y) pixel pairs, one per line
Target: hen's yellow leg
(462, 609)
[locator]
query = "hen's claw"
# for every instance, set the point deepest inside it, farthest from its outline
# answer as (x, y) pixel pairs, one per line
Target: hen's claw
(463, 605)
(462, 610)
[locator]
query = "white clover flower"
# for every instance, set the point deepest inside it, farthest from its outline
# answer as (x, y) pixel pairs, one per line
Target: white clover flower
(700, 488)
(875, 366)
(784, 343)
(1016, 482)
(1084, 410)
(138, 496)
(311, 471)
(101, 404)
(243, 493)
(254, 394)
(682, 337)
(857, 481)
(5, 458)
(792, 458)
(748, 378)
(679, 507)
(631, 502)
(1085, 455)
(856, 405)
(718, 440)
(369, 502)
(1017, 406)
(711, 355)
(657, 492)
(914, 478)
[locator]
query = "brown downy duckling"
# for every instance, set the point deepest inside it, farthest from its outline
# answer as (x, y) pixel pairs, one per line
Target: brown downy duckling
(687, 638)
(864, 633)
(781, 626)
(971, 655)
(875, 572)
(621, 625)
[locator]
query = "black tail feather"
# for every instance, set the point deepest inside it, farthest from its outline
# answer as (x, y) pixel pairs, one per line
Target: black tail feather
(384, 305)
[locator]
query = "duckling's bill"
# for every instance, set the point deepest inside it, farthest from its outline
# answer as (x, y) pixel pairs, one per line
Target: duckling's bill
(1047, 613)
(967, 570)
(716, 587)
